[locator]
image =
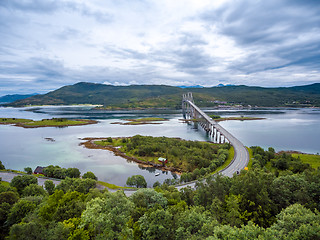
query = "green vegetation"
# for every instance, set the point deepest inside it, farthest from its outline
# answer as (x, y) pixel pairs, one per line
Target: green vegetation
(140, 121)
(90, 175)
(313, 160)
(277, 162)
(250, 158)
(137, 181)
(13, 120)
(200, 158)
(28, 170)
(227, 162)
(2, 167)
(160, 96)
(54, 122)
(61, 173)
(256, 204)
(242, 118)
(113, 186)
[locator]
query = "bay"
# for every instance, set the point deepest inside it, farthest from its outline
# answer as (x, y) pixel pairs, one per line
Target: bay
(283, 129)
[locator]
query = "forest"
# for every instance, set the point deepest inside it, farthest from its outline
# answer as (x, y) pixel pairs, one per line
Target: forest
(274, 199)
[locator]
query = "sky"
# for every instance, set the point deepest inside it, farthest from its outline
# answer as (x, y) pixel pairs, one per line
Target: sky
(47, 44)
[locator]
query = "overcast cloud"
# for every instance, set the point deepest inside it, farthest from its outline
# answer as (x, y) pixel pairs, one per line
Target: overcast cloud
(49, 44)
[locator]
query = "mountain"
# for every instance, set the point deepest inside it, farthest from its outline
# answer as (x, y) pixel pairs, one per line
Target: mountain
(14, 97)
(161, 96)
(195, 86)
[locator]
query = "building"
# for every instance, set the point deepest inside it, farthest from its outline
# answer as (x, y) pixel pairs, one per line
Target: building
(162, 160)
(38, 170)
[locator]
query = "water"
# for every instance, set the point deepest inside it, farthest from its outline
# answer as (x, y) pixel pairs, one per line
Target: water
(296, 129)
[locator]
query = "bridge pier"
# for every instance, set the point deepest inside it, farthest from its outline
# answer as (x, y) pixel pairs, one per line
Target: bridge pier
(218, 133)
(191, 111)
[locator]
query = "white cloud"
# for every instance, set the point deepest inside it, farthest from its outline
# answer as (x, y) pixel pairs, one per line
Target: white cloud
(182, 42)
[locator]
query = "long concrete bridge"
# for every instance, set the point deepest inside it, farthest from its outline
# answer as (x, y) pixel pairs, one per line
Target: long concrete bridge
(218, 133)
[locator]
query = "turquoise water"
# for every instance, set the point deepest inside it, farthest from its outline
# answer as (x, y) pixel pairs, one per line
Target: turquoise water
(297, 129)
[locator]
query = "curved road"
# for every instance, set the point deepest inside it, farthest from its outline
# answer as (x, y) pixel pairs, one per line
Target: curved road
(241, 155)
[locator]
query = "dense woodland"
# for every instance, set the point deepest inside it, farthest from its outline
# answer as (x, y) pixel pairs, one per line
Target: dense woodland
(273, 200)
(160, 96)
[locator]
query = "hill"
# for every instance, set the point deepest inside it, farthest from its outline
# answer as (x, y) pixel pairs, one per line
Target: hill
(161, 96)
(14, 97)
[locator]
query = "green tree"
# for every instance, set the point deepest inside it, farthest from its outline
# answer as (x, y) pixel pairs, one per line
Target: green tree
(28, 170)
(90, 175)
(147, 198)
(255, 187)
(297, 222)
(60, 206)
(27, 231)
(2, 166)
(191, 221)
(33, 190)
(20, 182)
(73, 173)
(76, 184)
(49, 186)
(10, 197)
(157, 225)
(137, 180)
(289, 189)
(22, 208)
(108, 217)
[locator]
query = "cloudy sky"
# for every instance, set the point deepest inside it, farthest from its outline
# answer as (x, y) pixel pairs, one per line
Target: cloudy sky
(46, 44)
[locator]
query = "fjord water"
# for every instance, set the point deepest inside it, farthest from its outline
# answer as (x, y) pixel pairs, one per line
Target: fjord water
(283, 129)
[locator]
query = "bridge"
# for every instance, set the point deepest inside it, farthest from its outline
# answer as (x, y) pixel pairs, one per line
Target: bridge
(218, 133)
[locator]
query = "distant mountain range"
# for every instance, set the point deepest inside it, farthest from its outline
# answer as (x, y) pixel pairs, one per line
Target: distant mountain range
(14, 97)
(161, 96)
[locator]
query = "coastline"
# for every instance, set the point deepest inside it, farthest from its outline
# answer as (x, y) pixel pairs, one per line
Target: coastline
(21, 124)
(89, 143)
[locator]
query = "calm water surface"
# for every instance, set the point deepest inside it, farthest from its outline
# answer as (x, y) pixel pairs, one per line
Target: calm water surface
(297, 129)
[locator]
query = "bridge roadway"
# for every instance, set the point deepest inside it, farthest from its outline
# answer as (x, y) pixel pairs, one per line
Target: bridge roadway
(241, 155)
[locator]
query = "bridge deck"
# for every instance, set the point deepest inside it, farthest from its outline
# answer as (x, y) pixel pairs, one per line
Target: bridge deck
(241, 155)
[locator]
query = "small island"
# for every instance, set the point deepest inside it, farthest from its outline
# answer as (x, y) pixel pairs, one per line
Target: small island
(218, 118)
(191, 159)
(142, 121)
(54, 122)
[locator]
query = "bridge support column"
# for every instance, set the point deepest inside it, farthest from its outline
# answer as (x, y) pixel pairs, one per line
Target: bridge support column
(222, 138)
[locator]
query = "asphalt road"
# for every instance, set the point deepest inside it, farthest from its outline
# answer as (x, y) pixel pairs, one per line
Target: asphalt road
(8, 176)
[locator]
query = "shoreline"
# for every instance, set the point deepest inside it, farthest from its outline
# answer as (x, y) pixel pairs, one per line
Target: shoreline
(224, 119)
(21, 124)
(89, 143)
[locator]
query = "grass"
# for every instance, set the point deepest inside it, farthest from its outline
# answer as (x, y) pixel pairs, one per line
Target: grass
(237, 118)
(227, 162)
(313, 160)
(14, 171)
(14, 120)
(143, 120)
(113, 186)
(250, 158)
(148, 119)
(54, 122)
(6, 184)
